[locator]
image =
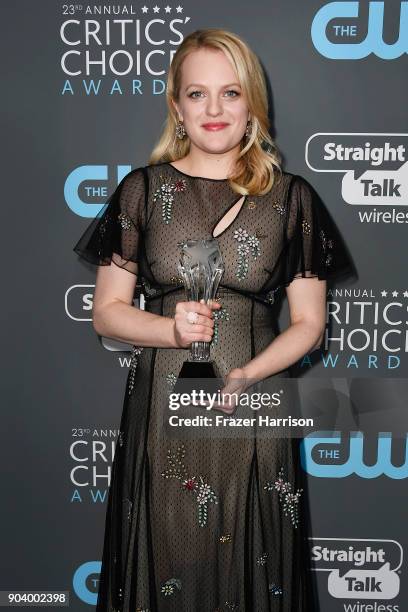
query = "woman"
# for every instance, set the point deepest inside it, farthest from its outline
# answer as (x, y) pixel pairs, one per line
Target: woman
(210, 523)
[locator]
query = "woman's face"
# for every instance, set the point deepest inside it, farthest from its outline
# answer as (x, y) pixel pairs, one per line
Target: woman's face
(211, 104)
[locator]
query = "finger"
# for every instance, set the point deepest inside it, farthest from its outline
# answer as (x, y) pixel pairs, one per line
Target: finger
(204, 322)
(199, 338)
(201, 321)
(198, 329)
(201, 307)
(211, 303)
(224, 409)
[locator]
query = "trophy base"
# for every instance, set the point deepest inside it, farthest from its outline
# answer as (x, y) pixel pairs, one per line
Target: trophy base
(198, 375)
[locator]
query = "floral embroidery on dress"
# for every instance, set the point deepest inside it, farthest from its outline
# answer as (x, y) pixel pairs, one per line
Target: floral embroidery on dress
(165, 193)
(180, 185)
(147, 289)
(142, 609)
(262, 559)
(275, 590)
(221, 314)
(229, 605)
(289, 499)
(270, 296)
(205, 495)
(306, 229)
(278, 207)
(136, 350)
(168, 588)
(171, 379)
(327, 245)
(177, 468)
(176, 280)
(196, 484)
(125, 221)
(247, 245)
(241, 235)
(225, 538)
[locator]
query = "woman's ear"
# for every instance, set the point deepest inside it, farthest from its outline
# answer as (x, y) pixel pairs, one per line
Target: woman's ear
(177, 110)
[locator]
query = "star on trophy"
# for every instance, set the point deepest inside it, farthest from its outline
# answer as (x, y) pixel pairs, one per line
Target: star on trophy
(201, 268)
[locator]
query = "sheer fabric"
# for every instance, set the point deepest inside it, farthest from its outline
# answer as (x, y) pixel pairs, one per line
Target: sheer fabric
(115, 233)
(207, 524)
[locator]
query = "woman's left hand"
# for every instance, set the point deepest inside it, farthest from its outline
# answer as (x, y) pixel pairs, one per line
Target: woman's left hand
(236, 383)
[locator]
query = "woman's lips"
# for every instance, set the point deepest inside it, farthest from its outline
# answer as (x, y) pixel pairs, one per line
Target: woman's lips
(214, 126)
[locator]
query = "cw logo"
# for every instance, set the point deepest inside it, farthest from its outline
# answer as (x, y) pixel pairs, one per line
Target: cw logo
(320, 455)
(83, 174)
(87, 575)
(373, 43)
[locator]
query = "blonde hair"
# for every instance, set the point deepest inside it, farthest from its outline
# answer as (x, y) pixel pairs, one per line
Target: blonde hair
(258, 158)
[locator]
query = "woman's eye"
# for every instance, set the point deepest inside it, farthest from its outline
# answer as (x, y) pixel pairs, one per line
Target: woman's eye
(229, 91)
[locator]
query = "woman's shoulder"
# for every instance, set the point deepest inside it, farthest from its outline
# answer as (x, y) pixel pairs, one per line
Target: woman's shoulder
(295, 185)
(140, 175)
(280, 187)
(291, 177)
(147, 172)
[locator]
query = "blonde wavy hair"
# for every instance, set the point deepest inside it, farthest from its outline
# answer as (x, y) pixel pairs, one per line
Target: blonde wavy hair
(259, 158)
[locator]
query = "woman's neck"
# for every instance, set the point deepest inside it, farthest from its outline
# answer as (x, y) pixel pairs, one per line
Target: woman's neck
(207, 164)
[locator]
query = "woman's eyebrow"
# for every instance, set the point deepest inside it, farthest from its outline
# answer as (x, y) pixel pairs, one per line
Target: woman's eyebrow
(202, 85)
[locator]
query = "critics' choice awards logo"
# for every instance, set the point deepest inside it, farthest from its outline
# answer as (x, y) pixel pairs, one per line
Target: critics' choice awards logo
(374, 169)
(352, 31)
(104, 54)
(363, 330)
(92, 451)
(360, 570)
(331, 455)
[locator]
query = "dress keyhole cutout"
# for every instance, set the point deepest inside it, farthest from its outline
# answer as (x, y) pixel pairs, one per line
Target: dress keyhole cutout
(228, 218)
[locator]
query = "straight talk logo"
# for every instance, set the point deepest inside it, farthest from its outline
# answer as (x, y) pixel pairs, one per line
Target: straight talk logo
(383, 216)
(360, 570)
(374, 168)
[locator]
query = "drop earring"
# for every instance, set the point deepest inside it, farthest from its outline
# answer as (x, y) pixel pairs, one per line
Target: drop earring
(248, 130)
(180, 130)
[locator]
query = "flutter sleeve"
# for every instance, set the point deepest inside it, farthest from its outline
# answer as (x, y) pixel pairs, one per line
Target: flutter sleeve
(115, 234)
(312, 244)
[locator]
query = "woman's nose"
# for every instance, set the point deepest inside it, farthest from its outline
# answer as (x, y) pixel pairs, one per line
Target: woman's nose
(214, 105)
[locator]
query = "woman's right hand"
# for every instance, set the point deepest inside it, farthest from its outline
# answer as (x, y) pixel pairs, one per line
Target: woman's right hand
(185, 332)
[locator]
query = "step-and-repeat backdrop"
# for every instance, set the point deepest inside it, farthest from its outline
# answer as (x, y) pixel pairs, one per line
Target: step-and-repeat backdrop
(84, 104)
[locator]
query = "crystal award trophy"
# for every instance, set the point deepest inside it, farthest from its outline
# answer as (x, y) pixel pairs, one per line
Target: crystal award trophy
(201, 268)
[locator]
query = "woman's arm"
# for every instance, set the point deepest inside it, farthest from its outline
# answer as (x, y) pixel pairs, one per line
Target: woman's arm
(114, 316)
(307, 309)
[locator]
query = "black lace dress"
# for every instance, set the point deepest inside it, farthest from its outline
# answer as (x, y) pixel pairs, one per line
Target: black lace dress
(207, 523)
